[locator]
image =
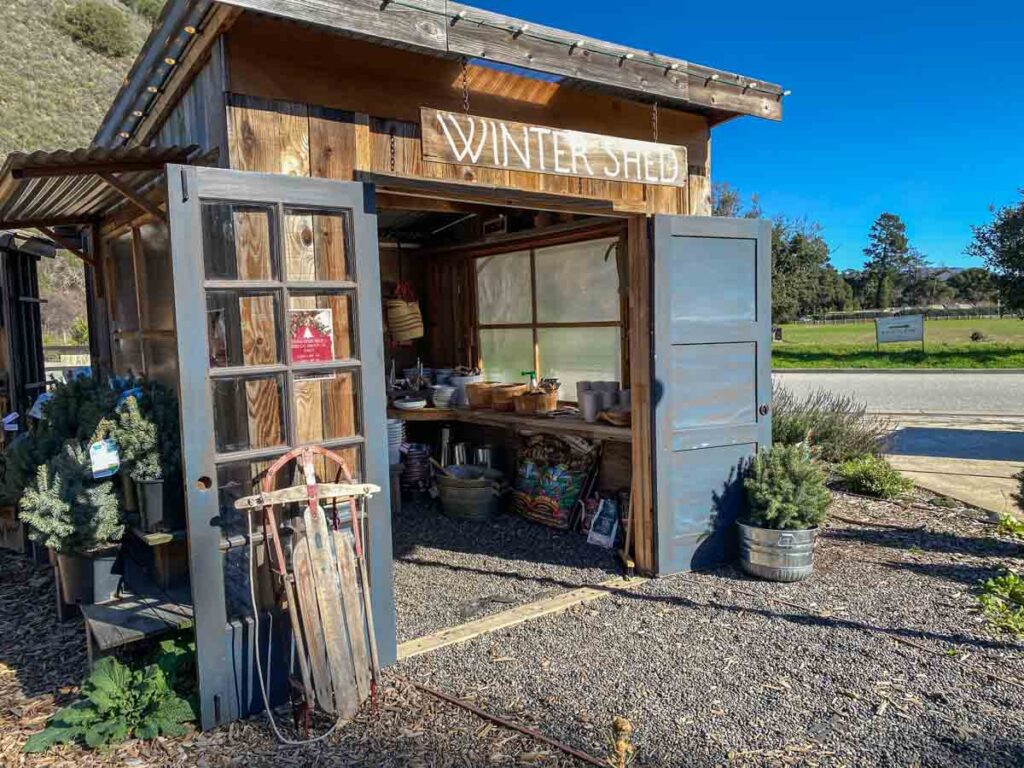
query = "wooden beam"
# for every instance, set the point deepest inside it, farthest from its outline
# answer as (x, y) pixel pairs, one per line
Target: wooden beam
(399, 202)
(67, 245)
(88, 169)
(58, 221)
(513, 616)
(481, 193)
(140, 201)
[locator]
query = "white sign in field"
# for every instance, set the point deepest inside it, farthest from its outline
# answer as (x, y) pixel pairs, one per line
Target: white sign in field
(893, 329)
(451, 137)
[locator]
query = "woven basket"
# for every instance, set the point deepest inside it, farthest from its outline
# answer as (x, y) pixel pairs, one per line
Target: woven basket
(405, 322)
(536, 402)
(504, 394)
(481, 394)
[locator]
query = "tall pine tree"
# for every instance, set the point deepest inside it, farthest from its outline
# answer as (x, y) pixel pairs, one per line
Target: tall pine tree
(890, 258)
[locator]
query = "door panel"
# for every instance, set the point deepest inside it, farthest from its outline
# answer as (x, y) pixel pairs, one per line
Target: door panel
(278, 310)
(712, 370)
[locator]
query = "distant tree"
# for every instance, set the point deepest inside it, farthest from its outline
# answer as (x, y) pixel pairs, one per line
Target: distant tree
(726, 200)
(803, 280)
(1001, 244)
(890, 258)
(927, 290)
(975, 286)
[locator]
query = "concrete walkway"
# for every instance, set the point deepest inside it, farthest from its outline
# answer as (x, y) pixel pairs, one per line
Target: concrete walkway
(972, 459)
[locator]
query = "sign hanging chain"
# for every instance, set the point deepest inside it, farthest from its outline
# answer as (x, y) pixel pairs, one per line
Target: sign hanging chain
(391, 148)
(465, 85)
(654, 121)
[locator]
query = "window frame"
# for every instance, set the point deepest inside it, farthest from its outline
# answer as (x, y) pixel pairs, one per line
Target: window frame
(530, 250)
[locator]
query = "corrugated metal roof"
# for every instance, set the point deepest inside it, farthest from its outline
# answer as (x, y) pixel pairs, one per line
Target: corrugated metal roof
(64, 186)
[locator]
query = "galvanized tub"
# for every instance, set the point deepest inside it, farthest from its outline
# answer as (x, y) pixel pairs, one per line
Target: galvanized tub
(777, 555)
(469, 492)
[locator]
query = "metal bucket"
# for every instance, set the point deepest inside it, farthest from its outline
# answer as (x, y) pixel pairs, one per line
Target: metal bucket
(777, 555)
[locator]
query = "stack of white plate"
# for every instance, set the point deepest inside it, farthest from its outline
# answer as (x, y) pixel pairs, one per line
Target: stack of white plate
(443, 396)
(396, 436)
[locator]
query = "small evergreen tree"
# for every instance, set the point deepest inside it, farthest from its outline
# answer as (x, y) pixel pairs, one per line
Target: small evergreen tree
(785, 489)
(890, 258)
(66, 509)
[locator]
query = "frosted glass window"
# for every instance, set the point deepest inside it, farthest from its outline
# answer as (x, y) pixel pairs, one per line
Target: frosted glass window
(506, 353)
(503, 289)
(579, 354)
(578, 282)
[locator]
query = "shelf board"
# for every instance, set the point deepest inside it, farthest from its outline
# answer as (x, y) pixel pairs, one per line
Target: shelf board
(566, 425)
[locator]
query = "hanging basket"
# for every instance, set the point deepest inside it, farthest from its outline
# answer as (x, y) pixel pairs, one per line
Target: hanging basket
(405, 322)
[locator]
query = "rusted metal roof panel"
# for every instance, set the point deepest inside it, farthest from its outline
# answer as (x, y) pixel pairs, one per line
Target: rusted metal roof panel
(66, 186)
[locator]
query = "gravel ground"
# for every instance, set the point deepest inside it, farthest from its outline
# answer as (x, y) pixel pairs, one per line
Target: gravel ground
(879, 660)
(449, 571)
(714, 669)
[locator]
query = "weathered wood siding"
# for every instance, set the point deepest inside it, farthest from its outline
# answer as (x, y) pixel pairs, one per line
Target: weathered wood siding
(199, 116)
(306, 102)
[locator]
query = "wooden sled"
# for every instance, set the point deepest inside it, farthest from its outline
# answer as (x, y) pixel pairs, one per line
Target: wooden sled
(326, 588)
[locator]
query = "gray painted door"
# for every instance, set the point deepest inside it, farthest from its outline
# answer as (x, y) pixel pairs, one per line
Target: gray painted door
(267, 269)
(712, 379)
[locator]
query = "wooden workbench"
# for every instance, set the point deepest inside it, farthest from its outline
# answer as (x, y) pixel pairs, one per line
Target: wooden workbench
(556, 425)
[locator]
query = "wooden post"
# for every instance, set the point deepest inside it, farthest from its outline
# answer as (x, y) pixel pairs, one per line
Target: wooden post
(642, 487)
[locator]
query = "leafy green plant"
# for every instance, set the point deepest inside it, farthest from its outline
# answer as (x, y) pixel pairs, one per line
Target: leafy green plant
(67, 510)
(874, 476)
(836, 426)
(1002, 601)
(98, 26)
(1019, 495)
(117, 703)
(147, 432)
(786, 489)
(1009, 525)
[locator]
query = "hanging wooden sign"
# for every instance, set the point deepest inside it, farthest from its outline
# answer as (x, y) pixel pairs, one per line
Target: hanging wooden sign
(452, 137)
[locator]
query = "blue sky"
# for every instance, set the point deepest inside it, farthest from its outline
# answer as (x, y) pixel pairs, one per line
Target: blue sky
(907, 106)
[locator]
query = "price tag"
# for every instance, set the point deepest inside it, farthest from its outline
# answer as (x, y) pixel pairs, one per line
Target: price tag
(11, 422)
(36, 412)
(105, 458)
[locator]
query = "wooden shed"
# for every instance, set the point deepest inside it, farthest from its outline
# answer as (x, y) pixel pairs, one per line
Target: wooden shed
(545, 197)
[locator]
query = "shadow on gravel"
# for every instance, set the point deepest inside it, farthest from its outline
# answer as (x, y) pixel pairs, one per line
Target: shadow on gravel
(505, 537)
(968, 575)
(929, 541)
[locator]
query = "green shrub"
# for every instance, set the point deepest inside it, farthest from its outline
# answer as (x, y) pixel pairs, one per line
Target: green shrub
(66, 509)
(98, 26)
(874, 476)
(836, 426)
(117, 703)
(148, 9)
(785, 489)
(1010, 526)
(1002, 601)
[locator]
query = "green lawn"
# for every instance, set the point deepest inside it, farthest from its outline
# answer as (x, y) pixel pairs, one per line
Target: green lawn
(947, 345)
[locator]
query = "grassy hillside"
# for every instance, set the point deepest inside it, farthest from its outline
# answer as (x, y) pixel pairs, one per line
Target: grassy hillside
(53, 91)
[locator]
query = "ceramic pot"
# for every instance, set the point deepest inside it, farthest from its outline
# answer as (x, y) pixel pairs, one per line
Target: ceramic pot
(590, 405)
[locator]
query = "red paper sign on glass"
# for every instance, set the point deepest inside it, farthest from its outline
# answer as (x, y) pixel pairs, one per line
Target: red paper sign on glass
(312, 335)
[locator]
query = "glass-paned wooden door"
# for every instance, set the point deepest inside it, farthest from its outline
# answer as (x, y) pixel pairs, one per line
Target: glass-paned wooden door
(277, 302)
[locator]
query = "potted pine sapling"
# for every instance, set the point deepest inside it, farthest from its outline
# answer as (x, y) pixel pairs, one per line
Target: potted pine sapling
(80, 519)
(787, 498)
(147, 435)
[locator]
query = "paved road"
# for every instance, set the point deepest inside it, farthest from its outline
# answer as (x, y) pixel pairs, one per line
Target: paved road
(939, 393)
